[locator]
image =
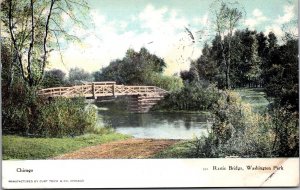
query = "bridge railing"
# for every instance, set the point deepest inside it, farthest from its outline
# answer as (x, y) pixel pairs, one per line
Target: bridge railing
(66, 91)
(54, 91)
(98, 89)
(123, 90)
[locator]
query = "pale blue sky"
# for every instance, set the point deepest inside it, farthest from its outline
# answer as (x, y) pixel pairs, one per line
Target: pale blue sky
(159, 25)
(125, 9)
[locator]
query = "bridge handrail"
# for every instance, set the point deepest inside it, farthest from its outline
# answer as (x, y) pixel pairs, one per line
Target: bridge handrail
(106, 82)
(91, 87)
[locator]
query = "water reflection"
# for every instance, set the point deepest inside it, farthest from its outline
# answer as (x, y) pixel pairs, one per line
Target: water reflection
(156, 125)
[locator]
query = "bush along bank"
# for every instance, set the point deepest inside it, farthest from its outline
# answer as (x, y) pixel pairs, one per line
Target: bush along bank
(26, 114)
(195, 96)
(237, 131)
(39, 129)
(67, 117)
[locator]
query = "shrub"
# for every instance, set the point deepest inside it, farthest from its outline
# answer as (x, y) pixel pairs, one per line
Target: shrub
(197, 96)
(54, 78)
(19, 110)
(14, 121)
(24, 113)
(169, 83)
(238, 131)
(66, 117)
(285, 124)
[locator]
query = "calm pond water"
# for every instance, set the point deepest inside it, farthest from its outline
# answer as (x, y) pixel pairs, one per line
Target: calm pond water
(155, 125)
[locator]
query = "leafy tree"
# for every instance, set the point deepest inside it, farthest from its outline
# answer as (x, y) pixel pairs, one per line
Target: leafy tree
(286, 128)
(250, 58)
(54, 78)
(262, 45)
(7, 74)
(226, 19)
(31, 27)
(271, 56)
(187, 76)
(169, 83)
(282, 75)
(135, 68)
(249, 61)
(31, 30)
(197, 95)
(262, 53)
(79, 75)
(206, 65)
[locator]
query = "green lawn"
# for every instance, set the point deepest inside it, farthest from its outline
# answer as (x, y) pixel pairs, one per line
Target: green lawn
(256, 97)
(178, 150)
(24, 148)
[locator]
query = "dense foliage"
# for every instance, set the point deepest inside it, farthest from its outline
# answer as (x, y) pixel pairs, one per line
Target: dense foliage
(27, 115)
(169, 83)
(239, 132)
(78, 75)
(281, 75)
(54, 78)
(139, 68)
(24, 113)
(196, 96)
(241, 129)
(135, 68)
(66, 117)
(255, 59)
(33, 29)
(24, 56)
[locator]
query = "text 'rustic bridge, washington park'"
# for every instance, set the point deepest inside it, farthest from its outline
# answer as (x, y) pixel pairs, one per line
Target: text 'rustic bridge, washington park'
(140, 98)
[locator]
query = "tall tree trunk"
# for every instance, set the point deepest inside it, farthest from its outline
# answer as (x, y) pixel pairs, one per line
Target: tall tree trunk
(11, 72)
(227, 75)
(228, 85)
(224, 63)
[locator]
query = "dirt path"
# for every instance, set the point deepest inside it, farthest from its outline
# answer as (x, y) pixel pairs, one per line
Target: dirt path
(131, 148)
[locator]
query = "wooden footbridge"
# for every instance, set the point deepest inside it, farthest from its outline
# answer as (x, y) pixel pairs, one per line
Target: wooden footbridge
(140, 98)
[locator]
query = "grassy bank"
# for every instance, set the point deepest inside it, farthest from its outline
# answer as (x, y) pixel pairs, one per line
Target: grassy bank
(256, 97)
(24, 148)
(178, 150)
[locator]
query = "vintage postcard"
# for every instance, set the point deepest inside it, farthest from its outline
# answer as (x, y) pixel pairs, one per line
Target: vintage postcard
(149, 94)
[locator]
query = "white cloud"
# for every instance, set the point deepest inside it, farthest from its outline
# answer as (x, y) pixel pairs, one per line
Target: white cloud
(162, 33)
(201, 20)
(276, 29)
(152, 18)
(288, 15)
(251, 22)
(257, 18)
(257, 13)
(123, 24)
(133, 18)
(170, 41)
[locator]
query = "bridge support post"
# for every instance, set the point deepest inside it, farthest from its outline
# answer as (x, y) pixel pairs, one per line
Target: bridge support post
(113, 89)
(93, 90)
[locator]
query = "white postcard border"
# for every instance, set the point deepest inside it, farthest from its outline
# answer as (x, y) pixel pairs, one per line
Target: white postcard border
(151, 173)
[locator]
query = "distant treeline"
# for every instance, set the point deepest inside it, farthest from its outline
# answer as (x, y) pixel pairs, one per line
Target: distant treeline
(256, 60)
